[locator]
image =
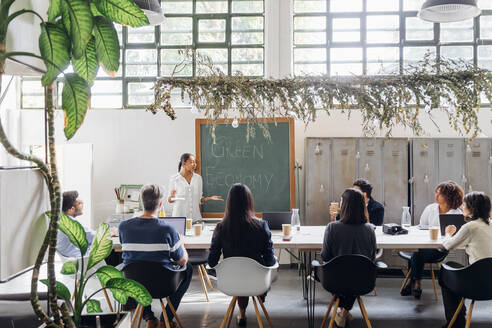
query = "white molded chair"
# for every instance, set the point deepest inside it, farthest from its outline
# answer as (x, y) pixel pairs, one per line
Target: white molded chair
(243, 276)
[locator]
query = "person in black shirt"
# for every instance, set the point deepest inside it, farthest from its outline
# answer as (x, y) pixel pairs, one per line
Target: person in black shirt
(374, 208)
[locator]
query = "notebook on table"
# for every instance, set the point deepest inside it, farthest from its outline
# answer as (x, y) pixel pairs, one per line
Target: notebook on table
(179, 223)
(451, 219)
(276, 219)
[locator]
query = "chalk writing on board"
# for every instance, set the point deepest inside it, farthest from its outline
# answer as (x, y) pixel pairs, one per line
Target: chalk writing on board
(224, 148)
(260, 181)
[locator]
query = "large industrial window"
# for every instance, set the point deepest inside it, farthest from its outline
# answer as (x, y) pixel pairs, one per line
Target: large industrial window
(230, 32)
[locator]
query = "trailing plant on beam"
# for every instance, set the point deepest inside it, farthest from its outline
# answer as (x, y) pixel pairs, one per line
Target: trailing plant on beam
(384, 101)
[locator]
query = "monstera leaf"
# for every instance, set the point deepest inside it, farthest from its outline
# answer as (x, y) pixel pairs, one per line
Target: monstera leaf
(93, 306)
(101, 246)
(107, 45)
(75, 102)
(131, 288)
(108, 272)
(54, 46)
(124, 12)
(86, 66)
(74, 231)
(80, 24)
(62, 291)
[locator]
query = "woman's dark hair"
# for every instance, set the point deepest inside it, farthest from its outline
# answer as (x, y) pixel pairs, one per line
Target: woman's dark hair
(364, 186)
(69, 198)
(452, 192)
(478, 204)
(239, 214)
(353, 209)
(183, 159)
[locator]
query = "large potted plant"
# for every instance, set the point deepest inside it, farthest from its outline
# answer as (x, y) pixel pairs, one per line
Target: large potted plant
(80, 33)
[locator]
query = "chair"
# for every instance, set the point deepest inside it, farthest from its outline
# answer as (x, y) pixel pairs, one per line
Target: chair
(242, 276)
(346, 275)
(199, 258)
(407, 256)
(472, 282)
(159, 281)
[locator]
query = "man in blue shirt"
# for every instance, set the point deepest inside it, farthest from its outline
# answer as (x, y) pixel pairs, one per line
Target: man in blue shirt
(374, 208)
(147, 238)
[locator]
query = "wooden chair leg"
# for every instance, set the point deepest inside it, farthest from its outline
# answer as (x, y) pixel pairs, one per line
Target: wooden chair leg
(267, 316)
(231, 314)
(334, 313)
(325, 319)
(164, 313)
(140, 317)
(364, 313)
(258, 317)
(203, 283)
(107, 298)
(453, 319)
(135, 315)
(206, 276)
(406, 279)
(470, 310)
(226, 316)
(434, 282)
(180, 324)
(374, 292)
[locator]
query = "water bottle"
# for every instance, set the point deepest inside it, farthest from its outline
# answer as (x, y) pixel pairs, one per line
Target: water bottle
(294, 220)
(406, 220)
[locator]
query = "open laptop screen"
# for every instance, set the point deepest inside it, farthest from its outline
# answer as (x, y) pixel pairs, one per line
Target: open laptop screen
(276, 219)
(451, 219)
(179, 223)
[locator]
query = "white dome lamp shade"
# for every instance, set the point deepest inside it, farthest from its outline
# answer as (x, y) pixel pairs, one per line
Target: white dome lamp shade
(445, 11)
(152, 10)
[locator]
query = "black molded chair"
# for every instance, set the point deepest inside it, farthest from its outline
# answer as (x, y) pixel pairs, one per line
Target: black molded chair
(199, 258)
(346, 275)
(159, 281)
(408, 255)
(472, 282)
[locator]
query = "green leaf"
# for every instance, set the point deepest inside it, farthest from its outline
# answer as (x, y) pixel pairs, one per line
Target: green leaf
(124, 12)
(93, 306)
(80, 25)
(65, 16)
(62, 291)
(108, 272)
(94, 10)
(73, 229)
(86, 66)
(75, 102)
(101, 245)
(54, 46)
(69, 267)
(54, 10)
(131, 288)
(107, 45)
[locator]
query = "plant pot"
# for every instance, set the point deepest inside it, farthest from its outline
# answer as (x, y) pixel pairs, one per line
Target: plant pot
(106, 319)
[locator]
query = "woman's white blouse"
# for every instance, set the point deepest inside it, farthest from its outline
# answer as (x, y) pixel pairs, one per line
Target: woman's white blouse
(430, 215)
(191, 193)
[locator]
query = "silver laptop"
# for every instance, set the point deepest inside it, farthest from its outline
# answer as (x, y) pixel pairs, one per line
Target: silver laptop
(179, 223)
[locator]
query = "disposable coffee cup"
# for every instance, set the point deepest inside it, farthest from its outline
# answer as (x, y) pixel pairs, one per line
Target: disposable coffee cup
(189, 223)
(434, 233)
(286, 229)
(198, 229)
(334, 205)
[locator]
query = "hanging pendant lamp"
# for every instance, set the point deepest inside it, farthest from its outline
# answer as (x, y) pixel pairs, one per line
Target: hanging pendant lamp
(152, 10)
(444, 11)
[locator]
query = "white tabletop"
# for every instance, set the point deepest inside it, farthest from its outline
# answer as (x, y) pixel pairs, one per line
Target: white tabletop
(311, 237)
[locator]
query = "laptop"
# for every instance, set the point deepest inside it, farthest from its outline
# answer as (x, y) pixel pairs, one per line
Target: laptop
(451, 219)
(276, 219)
(179, 223)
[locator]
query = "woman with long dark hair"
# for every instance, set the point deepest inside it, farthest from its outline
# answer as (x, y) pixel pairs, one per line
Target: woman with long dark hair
(241, 234)
(353, 234)
(186, 189)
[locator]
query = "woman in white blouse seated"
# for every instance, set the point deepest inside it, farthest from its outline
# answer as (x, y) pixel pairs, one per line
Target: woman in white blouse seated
(186, 189)
(476, 237)
(448, 199)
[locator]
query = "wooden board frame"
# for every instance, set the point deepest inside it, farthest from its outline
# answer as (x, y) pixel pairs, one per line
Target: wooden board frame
(199, 122)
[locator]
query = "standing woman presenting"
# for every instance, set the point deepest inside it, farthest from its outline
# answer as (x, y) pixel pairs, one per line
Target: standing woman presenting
(186, 189)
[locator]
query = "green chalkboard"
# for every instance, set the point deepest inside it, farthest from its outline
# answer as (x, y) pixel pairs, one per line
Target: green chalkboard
(265, 166)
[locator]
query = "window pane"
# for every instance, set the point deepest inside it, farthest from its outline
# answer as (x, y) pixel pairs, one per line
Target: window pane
(346, 61)
(309, 61)
(177, 31)
(214, 6)
(309, 30)
(241, 6)
(418, 29)
(247, 30)
(485, 27)
(141, 62)
(211, 30)
(412, 55)
(218, 58)
(172, 57)
(485, 4)
(345, 6)
(383, 29)
(457, 53)
(177, 6)
(106, 94)
(248, 61)
(383, 5)
(383, 60)
(346, 30)
(144, 34)
(457, 31)
(410, 5)
(310, 6)
(485, 57)
(119, 31)
(32, 94)
(140, 93)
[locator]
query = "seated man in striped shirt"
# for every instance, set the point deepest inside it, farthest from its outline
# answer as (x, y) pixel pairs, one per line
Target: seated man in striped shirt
(147, 238)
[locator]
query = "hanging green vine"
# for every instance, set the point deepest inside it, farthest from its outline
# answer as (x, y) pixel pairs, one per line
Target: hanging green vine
(385, 101)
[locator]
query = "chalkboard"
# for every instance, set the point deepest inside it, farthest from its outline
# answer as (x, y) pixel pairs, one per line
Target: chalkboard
(265, 166)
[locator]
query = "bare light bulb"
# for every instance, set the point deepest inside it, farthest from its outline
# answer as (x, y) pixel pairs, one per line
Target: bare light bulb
(235, 123)
(366, 168)
(322, 188)
(468, 149)
(317, 149)
(357, 155)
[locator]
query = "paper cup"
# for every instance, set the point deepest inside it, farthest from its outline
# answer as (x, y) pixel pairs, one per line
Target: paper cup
(189, 223)
(198, 229)
(286, 229)
(434, 233)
